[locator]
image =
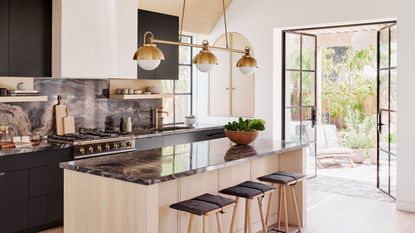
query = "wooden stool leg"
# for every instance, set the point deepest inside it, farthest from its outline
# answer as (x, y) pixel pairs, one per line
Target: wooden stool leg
(220, 227)
(279, 206)
(285, 209)
(234, 214)
(296, 209)
(268, 208)
(261, 213)
(190, 226)
(247, 216)
(205, 224)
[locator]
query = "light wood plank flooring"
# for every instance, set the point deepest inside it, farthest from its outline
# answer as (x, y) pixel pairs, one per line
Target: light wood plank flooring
(334, 213)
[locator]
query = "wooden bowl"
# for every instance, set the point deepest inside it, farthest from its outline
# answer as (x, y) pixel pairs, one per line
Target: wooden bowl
(241, 137)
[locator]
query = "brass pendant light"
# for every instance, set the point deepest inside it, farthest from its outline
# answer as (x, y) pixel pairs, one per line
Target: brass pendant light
(247, 64)
(205, 59)
(148, 56)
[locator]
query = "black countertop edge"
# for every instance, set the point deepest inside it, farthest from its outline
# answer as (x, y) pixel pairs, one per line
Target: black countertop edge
(98, 171)
(45, 146)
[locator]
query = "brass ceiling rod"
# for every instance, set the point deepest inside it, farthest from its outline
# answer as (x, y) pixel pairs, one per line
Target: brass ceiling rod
(226, 25)
(181, 23)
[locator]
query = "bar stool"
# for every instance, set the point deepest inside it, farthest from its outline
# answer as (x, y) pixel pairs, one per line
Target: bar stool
(284, 179)
(249, 190)
(204, 205)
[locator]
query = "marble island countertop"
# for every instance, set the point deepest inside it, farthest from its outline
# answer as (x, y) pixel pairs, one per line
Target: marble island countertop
(168, 163)
(43, 146)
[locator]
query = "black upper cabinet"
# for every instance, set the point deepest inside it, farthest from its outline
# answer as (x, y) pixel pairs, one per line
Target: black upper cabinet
(4, 37)
(30, 33)
(165, 27)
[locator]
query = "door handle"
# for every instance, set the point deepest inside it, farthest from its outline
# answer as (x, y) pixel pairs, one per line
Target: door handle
(380, 124)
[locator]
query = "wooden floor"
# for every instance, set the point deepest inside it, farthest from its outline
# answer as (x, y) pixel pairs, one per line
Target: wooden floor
(334, 213)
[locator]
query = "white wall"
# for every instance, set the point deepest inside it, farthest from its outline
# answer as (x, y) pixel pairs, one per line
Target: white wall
(257, 21)
(94, 38)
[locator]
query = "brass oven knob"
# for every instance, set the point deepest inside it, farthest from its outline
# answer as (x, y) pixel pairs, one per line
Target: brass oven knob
(115, 146)
(99, 148)
(122, 145)
(128, 144)
(82, 150)
(107, 147)
(91, 149)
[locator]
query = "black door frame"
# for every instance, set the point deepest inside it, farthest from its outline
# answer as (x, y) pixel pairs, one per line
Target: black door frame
(313, 107)
(390, 68)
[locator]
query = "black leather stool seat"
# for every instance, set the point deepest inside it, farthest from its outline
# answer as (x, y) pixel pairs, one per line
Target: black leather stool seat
(247, 189)
(203, 204)
(282, 177)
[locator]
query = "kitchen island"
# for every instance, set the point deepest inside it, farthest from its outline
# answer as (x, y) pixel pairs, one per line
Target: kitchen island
(132, 192)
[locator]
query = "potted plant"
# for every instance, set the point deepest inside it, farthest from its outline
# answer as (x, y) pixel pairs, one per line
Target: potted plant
(360, 135)
(243, 132)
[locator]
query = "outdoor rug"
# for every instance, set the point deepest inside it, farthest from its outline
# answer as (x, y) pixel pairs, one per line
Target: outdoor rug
(348, 187)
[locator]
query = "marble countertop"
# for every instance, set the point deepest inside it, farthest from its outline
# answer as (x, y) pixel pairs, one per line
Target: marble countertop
(168, 163)
(43, 146)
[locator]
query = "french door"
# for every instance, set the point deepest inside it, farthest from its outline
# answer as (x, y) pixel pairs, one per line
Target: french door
(387, 114)
(299, 92)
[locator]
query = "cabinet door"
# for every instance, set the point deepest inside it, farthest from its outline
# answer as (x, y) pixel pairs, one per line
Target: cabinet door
(243, 86)
(46, 209)
(165, 27)
(30, 38)
(183, 138)
(13, 201)
(219, 83)
(4, 37)
(148, 143)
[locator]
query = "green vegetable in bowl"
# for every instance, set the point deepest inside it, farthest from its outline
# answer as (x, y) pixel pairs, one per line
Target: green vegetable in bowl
(246, 125)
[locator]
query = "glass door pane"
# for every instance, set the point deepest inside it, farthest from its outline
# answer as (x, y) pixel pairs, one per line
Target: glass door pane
(387, 115)
(300, 93)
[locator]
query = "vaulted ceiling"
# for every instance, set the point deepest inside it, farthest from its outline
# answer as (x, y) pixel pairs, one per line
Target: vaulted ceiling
(200, 15)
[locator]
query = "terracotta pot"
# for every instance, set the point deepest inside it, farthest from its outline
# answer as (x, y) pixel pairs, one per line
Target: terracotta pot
(241, 137)
(359, 156)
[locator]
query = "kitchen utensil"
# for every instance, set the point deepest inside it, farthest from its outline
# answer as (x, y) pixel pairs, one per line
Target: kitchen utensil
(21, 86)
(69, 125)
(60, 113)
(4, 134)
(6, 145)
(190, 120)
(3, 92)
(155, 89)
(17, 139)
(138, 92)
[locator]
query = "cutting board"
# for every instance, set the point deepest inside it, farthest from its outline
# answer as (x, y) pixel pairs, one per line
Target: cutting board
(60, 113)
(69, 125)
(5, 145)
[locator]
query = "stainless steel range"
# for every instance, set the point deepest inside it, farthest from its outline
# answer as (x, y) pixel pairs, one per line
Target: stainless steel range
(92, 142)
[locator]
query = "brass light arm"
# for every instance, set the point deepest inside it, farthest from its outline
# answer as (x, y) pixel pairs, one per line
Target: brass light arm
(158, 41)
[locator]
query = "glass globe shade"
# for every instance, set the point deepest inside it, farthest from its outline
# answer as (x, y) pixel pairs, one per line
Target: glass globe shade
(205, 68)
(147, 64)
(247, 70)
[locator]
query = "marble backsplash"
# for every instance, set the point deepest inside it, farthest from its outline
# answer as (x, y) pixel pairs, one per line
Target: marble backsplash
(86, 103)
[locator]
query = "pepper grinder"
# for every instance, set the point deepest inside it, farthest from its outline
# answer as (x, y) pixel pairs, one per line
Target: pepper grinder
(123, 126)
(129, 125)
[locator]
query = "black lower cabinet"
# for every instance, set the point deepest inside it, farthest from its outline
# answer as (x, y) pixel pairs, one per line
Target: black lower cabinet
(45, 210)
(14, 202)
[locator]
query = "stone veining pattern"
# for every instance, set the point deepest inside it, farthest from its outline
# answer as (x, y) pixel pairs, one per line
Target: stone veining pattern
(85, 101)
(172, 162)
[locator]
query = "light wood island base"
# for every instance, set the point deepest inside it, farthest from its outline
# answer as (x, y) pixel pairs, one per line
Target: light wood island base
(97, 204)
